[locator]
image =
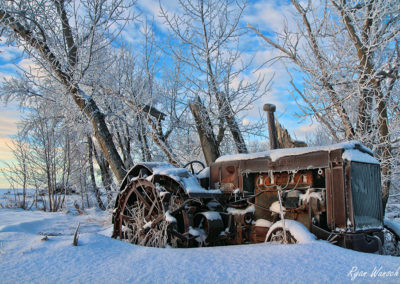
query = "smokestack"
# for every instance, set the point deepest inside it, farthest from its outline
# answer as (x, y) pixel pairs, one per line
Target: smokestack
(273, 140)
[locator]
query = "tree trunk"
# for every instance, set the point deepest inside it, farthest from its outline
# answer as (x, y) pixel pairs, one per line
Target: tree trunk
(101, 132)
(92, 177)
(146, 154)
(125, 149)
(204, 129)
(386, 151)
(285, 140)
(236, 133)
(105, 174)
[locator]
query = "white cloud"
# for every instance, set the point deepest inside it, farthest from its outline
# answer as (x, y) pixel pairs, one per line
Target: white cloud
(28, 64)
(307, 129)
(9, 52)
(7, 69)
(12, 59)
(151, 11)
(304, 130)
(269, 15)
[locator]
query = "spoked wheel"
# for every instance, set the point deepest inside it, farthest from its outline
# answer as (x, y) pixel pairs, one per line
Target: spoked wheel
(148, 215)
(278, 236)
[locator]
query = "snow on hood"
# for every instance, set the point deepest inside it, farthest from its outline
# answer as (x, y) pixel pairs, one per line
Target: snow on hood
(205, 173)
(192, 186)
(358, 156)
(175, 173)
(185, 178)
(156, 164)
(279, 153)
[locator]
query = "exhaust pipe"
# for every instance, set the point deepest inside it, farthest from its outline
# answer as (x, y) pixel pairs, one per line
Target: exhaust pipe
(273, 138)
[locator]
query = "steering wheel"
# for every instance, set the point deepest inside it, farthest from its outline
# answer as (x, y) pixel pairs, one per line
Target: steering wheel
(190, 166)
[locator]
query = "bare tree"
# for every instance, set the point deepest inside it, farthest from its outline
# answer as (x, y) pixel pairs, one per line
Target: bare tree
(64, 38)
(135, 99)
(44, 158)
(106, 176)
(208, 33)
(92, 175)
(17, 173)
(349, 53)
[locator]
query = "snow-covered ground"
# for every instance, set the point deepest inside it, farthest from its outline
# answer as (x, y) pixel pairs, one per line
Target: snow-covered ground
(26, 258)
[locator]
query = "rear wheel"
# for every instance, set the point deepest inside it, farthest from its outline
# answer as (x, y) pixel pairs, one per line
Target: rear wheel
(148, 215)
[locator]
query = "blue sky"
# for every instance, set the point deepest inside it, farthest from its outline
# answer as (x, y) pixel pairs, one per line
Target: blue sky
(267, 16)
(264, 14)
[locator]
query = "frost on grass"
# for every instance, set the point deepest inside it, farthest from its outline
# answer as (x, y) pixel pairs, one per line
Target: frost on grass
(140, 232)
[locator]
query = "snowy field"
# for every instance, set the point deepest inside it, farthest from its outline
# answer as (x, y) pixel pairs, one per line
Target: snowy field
(26, 258)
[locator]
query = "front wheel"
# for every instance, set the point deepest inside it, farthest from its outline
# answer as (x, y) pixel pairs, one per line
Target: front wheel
(281, 236)
(294, 233)
(391, 245)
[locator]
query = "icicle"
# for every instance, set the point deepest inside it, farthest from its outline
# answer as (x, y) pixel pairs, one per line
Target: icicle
(281, 213)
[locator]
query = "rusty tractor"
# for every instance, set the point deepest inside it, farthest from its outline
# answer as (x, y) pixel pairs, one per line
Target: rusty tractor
(330, 192)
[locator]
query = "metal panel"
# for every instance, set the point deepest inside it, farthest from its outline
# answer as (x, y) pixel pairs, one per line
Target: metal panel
(313, 160)
(349, 197)
(339, 201)
(329, 199)
(225, 176)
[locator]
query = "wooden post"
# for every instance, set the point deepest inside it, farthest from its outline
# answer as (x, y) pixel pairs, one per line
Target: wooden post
(273, 141)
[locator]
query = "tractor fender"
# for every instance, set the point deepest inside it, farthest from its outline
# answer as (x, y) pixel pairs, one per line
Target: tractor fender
(296, 229)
